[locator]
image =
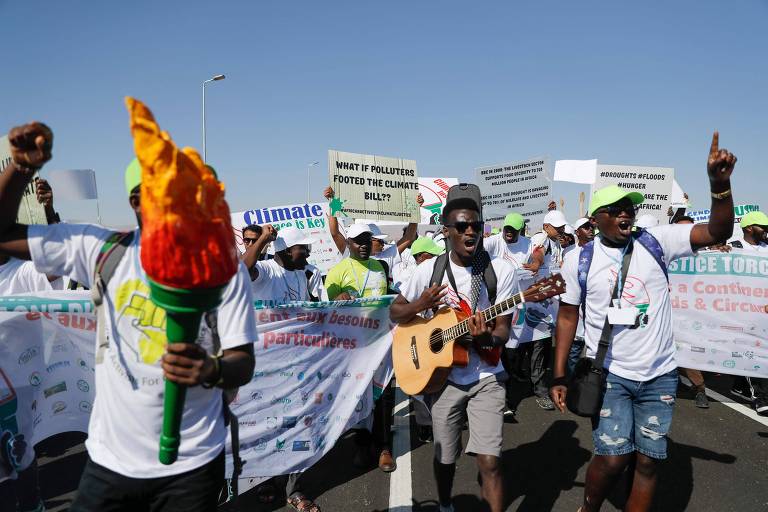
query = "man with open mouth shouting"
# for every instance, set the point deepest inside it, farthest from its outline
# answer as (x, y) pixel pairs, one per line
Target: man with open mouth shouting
(618, 282)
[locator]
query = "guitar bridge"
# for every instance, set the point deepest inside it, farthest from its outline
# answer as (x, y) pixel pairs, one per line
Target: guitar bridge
(414, 352)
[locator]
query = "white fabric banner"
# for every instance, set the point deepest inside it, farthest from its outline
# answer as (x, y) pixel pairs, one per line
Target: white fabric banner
(719, 314)
(319, 366)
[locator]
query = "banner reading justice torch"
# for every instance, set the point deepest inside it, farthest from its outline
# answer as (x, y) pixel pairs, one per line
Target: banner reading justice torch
(186, 274)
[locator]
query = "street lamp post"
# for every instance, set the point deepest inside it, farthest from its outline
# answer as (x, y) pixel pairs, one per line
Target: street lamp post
(212, 79)
(308, 167)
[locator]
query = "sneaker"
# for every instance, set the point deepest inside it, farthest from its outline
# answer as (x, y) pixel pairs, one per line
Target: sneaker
(701, 400)
(509, 412)
(761, 407)
(545, 403)
(745, 394)
(448, 508)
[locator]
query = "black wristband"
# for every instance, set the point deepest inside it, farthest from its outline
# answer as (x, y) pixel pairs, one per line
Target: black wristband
(559, 381)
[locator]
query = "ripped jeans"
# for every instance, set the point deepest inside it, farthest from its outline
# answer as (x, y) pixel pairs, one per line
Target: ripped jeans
(635, 416)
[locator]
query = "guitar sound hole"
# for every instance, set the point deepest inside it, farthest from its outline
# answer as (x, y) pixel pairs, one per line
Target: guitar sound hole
(436, 341)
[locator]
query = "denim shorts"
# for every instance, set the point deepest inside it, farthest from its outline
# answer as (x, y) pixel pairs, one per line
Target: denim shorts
(635, 416)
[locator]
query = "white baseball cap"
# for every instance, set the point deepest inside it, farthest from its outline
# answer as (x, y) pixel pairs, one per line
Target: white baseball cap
(356, 230)
(376, 232)
(646, 221)
(555, 218)
(580, 222)
(288, 237)
(569, 230)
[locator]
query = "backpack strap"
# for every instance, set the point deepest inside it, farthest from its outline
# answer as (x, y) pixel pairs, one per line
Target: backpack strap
(585, 261)
(652, 245)
(107, 261)
(438, 271)
(489, 276)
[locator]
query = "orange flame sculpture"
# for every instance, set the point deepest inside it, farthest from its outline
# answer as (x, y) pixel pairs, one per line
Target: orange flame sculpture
(187, 239)
(187, 246)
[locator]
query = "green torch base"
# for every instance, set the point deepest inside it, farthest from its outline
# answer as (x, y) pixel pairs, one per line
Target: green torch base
(184, 311)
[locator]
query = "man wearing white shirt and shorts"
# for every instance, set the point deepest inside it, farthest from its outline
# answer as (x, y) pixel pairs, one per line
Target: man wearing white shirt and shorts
(641, 373)
(478, 389)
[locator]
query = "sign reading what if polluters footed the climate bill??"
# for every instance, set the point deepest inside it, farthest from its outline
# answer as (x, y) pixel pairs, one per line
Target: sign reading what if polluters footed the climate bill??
(373, 187)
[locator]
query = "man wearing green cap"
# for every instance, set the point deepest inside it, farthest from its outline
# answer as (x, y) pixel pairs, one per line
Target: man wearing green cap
(754, 227)
(134, 358)
(639, 365)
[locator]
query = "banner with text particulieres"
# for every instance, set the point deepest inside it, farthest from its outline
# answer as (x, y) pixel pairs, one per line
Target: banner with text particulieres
(310, 218)
(719, 314)
(318, 367)
(373, 187)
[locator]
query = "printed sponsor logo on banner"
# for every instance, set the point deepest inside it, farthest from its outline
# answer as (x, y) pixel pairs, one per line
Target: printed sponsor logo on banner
(289, 421)
(82, 364)
(318, 441)
(736, 355)
(280, 400)
(322, 419)
(305, 396)
(318, 398)
(749, 354)
(83, 386)
(729, 363)
(56, 388)
(286, 373)
(307, 421)
(27, 355)
(57, 366)
(34, 379)
(747, 342)
(359, 406)
(256, 396)
(301, 446)
(330, 397)
(698, 349)
(59, 348)
(58, 407)
(300, 375)
(84, 406)
(271, 422)
(735, 328)
(280, 445)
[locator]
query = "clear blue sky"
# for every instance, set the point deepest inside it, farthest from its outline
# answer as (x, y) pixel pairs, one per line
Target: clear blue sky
(453, 85)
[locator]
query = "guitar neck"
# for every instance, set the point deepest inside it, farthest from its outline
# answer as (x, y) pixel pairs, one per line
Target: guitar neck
(489, 314)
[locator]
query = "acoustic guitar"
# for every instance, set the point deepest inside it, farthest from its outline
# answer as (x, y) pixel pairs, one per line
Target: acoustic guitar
(424, 351)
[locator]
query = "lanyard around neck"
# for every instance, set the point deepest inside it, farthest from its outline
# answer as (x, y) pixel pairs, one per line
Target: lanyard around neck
(361, 291)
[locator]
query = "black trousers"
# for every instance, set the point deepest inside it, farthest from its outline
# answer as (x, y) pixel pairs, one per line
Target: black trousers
(102, 490)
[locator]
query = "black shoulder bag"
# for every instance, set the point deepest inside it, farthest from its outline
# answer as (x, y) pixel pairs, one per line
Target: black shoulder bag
(587, 384)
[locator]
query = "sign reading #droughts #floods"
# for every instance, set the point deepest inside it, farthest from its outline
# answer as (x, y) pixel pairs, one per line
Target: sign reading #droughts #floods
(373, 187)
(655, 183)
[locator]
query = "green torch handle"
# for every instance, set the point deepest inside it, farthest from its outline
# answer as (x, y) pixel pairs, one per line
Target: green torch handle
(180, 327)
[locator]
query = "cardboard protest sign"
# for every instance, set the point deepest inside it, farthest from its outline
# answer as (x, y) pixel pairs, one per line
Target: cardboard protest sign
(310, 218)
(434, 191)
(655, 183)
(521, 187)
(373, 187)
(30, 209)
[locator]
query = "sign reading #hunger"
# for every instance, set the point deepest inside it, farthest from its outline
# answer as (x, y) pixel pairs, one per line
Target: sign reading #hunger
(373, 187)
(655, 183)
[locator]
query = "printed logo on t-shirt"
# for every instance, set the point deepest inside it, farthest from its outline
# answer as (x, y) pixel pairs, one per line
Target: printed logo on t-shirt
(137, 313)
(453, 300)
(634, 292)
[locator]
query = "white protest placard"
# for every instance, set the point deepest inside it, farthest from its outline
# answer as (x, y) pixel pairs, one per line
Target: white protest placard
(719, 312)
(434, 191)
(521, 187)
(30, 209)
(310, 218)
(655, 183)
(373, 187)
(576, 171)
(74, 184)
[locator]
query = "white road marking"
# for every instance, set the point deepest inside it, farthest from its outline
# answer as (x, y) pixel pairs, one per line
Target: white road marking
(400, 488)
(741, 408)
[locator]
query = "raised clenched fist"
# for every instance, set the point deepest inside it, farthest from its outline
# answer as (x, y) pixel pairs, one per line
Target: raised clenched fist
(31, 145)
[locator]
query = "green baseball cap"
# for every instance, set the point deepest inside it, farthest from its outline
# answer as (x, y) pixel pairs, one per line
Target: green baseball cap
(495, 231)
(612, 194)
(132, 175)
(514, 220)
(754, 219)
(426, 244)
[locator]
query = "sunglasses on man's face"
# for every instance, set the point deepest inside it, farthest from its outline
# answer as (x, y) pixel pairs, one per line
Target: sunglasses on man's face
(617, 209)
(462, 226)
(249, 241)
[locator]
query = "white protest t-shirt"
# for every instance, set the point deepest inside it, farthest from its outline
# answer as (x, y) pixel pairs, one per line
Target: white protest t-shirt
(276, 283)
(126, 420)
(505, 287)
(19, 276)
(761, 247)
(403, 270)
(518, 253)
(637, 353)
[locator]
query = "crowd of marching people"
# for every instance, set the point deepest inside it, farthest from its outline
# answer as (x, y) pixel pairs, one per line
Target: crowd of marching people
(540, 349)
